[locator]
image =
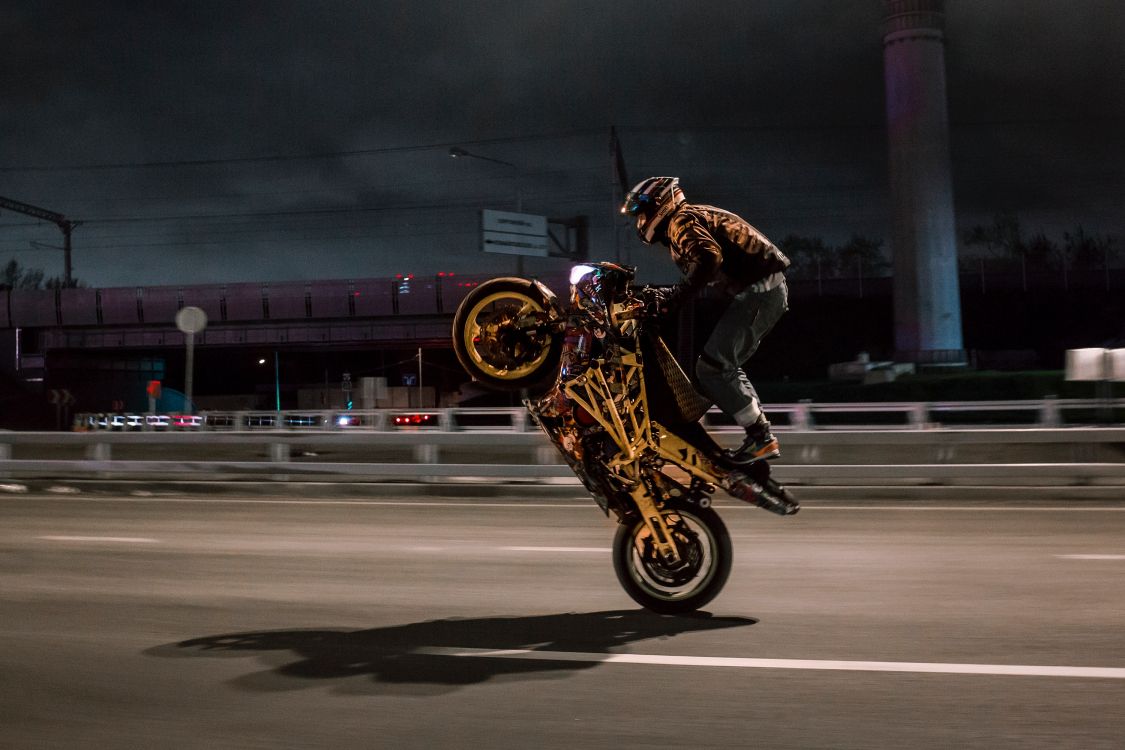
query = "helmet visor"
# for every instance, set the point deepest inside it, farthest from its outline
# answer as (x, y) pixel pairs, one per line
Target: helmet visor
(637, 203)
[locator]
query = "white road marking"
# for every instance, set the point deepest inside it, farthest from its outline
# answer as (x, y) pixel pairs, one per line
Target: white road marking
(117, 539)
(280, 501)
(803, 664)
(925, 508)
(1092, 557)
(556, 549)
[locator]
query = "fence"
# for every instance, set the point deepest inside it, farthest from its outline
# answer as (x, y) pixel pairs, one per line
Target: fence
(1032, 458)
(805, 415)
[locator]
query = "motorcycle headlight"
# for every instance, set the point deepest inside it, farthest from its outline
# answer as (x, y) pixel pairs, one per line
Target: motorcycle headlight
(584, 287)
(579, 271)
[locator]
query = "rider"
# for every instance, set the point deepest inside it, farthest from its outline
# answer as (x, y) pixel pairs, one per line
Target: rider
(715, 247)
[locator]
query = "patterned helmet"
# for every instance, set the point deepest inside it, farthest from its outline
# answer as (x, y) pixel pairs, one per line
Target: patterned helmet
(651, 202)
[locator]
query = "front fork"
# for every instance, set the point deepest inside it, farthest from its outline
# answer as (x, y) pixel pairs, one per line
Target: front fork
(649, 509)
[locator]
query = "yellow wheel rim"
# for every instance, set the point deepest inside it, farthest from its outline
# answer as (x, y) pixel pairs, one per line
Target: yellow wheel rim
(482, 323)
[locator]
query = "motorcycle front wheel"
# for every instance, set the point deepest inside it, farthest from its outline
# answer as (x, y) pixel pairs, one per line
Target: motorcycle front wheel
(705, 548)
(502, 337)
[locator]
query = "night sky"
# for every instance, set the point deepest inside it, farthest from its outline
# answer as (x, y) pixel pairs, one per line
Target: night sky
(242, 141)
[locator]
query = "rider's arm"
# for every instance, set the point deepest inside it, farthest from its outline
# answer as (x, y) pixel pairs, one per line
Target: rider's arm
(695, 252)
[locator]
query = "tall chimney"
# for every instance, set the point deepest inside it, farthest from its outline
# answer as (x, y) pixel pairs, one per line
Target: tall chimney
(927, 297)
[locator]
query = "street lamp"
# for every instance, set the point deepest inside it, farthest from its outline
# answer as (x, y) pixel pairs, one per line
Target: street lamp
(456, 152)
(276, 378)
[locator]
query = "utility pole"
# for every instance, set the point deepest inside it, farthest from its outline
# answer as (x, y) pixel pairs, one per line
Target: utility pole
(63, 223)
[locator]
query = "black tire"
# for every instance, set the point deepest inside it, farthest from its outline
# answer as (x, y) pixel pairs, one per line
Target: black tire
(503, 356)
(640, 579)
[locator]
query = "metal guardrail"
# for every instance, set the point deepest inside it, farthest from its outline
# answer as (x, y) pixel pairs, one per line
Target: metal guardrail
(805, 415)
(1025, 457)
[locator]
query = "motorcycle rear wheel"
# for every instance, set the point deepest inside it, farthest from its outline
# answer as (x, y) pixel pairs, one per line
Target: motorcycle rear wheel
(499, 338)
(704, 543)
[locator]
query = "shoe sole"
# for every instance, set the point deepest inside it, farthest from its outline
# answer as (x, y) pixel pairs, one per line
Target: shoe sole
(765, 455)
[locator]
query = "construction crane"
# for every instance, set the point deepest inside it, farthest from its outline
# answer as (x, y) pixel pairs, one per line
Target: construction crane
(63, 223)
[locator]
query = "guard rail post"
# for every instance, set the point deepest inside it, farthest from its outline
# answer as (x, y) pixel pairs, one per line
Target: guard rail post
(1049, 413)
(100, 452)
(801, 418)
(5, 455)
(919, 416)
(279, 453)
(446, 421)
(427, 453)
(545, 455)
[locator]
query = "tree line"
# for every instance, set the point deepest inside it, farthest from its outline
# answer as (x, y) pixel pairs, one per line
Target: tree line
(15, 276)
(1003, 244)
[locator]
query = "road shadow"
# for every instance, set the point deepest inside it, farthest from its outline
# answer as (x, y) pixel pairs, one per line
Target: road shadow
(393, 659)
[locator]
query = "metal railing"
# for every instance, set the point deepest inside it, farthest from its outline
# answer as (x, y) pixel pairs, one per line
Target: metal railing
(1033, 458)
(804, 415)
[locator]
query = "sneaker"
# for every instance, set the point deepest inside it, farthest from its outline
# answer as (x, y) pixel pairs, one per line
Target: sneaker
(760, 444)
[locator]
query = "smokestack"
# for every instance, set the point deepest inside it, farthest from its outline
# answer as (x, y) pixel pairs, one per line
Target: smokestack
(927, 297)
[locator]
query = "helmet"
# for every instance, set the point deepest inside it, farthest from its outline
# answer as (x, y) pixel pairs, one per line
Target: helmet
(651, 202)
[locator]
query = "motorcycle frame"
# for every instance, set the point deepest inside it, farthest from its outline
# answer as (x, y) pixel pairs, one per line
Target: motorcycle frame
(642, 444)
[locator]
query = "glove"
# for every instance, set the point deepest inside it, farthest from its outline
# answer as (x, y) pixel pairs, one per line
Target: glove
(661, 302)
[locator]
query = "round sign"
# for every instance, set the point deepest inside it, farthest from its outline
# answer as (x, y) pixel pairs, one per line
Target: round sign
(191, 320)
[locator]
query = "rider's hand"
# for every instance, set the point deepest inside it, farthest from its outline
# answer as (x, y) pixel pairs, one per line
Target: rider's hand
(660, 302)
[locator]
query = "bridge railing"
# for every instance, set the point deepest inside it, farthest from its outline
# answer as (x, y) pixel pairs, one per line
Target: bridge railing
(805, 415)
(1030, 458)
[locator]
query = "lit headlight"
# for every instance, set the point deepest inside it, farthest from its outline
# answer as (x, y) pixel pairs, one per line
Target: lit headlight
(578, 272)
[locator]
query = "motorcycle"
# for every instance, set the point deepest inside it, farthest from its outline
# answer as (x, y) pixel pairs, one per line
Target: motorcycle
(601, 383)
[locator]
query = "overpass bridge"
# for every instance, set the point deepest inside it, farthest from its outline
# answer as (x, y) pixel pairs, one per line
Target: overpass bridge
(102, 345)
(402, 309)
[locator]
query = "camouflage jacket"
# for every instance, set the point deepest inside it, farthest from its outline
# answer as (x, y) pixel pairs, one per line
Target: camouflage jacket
(713, 246)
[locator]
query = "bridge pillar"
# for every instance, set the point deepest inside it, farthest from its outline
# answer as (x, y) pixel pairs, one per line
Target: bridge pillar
(927, 297)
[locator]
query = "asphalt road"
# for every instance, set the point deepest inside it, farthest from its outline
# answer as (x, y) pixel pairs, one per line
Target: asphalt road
(272, 622)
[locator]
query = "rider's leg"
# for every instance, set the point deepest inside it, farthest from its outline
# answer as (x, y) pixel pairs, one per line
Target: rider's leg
(749, 317)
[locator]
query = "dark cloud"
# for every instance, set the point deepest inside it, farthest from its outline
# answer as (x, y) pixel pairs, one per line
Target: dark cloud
(773, 109)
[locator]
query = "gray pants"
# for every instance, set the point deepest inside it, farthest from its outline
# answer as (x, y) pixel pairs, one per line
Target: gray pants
(736, 336)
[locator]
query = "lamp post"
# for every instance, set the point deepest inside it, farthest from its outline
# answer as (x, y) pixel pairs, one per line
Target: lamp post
(456, 152)
(190, 321)
(276, 378)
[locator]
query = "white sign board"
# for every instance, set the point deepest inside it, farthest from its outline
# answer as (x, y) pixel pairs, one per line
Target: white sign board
(1095, 364)
(513, 233)
(1116, 363)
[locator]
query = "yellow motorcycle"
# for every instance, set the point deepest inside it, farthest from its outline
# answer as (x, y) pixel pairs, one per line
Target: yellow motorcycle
(606, 390)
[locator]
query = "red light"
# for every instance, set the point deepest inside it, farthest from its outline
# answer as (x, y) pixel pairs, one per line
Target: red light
(414, 419)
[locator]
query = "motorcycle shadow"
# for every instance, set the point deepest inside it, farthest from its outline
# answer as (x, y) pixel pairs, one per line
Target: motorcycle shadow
(400, 659)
